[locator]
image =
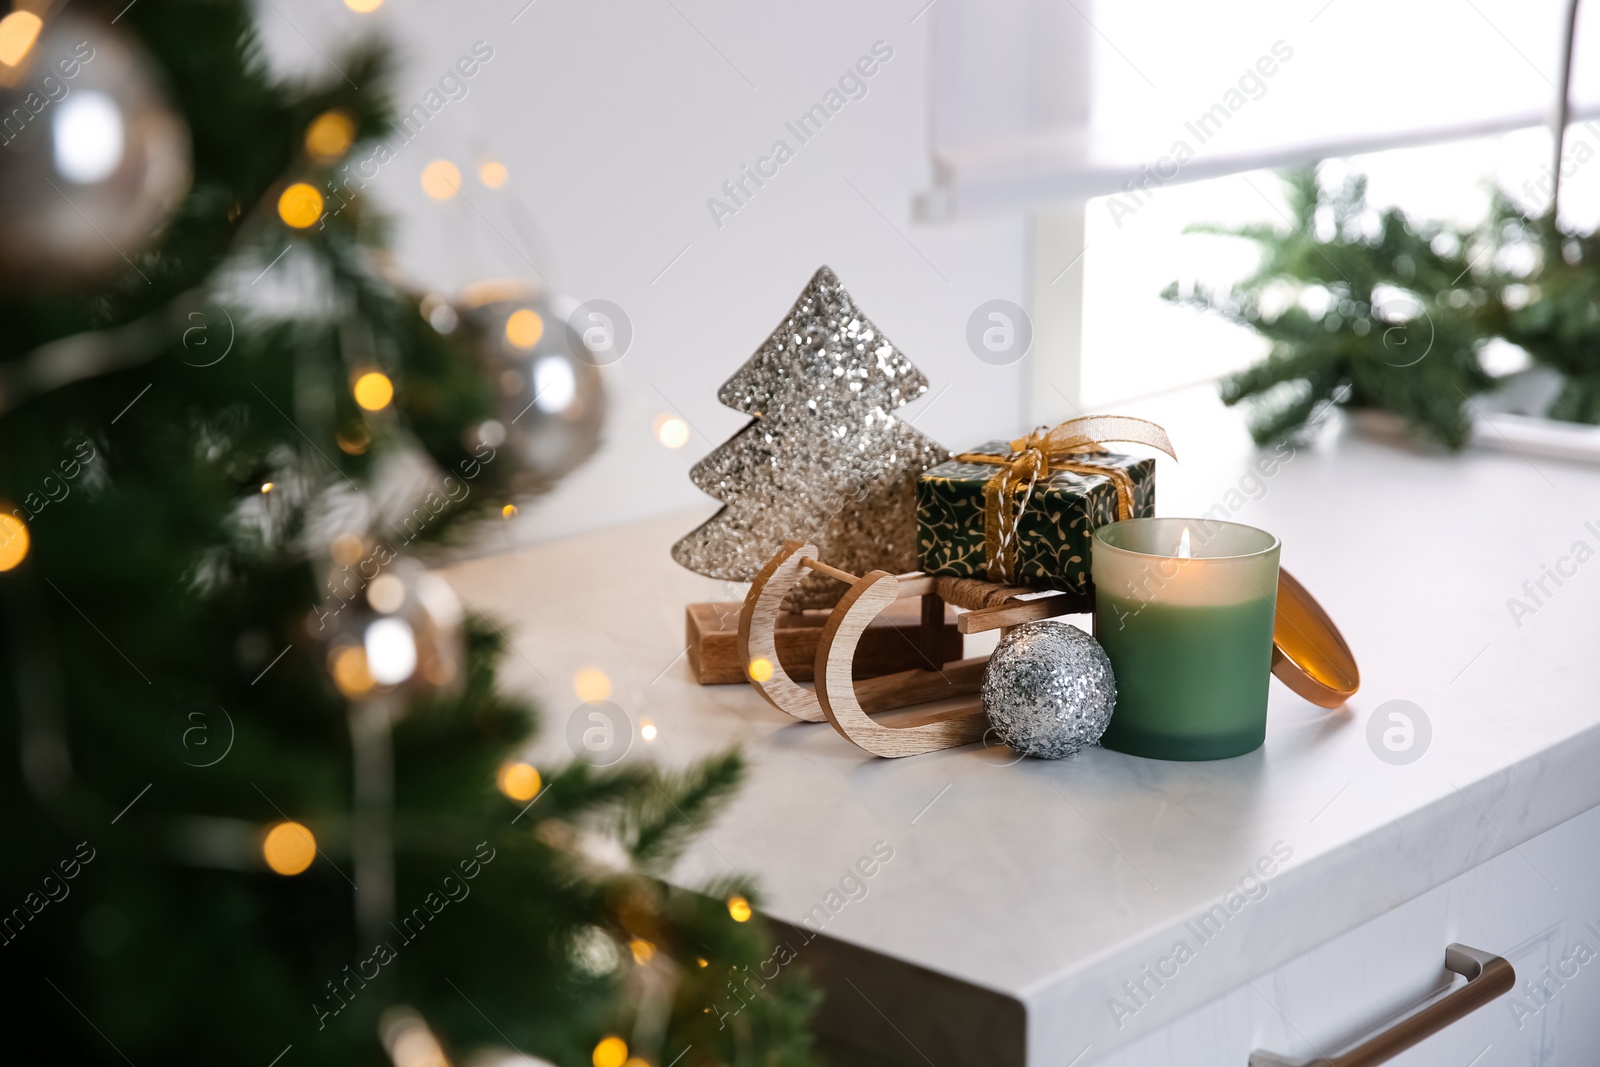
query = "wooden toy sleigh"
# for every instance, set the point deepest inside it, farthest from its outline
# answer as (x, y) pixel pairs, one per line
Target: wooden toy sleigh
(900, 714)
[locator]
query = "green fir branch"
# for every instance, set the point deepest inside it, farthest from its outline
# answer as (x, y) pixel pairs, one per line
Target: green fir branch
(1395, 325)
(675, 806)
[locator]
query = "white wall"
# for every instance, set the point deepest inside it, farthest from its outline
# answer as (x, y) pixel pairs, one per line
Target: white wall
(617, 120)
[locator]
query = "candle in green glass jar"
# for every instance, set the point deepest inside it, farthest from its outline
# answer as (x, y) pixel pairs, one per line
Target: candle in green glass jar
(1184, 608)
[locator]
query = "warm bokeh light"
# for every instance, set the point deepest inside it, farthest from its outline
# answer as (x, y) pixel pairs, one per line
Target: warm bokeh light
(761, 669)
(643, 951)
(300, 205)
(348, 664)
(441, 179)
(266, 487)
(524, 328)
(610, 1052)
(671, 431)
(13, 542)
(362, 7)
(289, 848)
(415, 1046)
(739, 908)
(493, 174)
(647, 730)
(509, 511)
(347, 549)
(518, 780)
(329, 136)
(591, 684)
(702, 961)
(373, 390)
(18, 31)
(385, 594)
(354, 438)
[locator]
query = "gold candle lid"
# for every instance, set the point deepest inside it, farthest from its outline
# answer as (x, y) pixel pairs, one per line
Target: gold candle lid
(1309, 654)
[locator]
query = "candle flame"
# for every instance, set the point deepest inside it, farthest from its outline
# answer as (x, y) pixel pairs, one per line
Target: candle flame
(1184, 551)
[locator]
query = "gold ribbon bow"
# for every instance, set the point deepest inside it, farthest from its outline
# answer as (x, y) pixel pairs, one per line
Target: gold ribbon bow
(1042, 453)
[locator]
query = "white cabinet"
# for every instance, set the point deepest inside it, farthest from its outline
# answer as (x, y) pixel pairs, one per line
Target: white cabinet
(1538, 905)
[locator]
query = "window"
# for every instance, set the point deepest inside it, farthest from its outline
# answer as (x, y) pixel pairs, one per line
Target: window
(1135, 343)
(1157, 114)
(1031, 105)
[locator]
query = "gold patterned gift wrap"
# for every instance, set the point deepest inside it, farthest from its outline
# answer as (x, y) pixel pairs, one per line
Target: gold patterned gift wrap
(1032, 531)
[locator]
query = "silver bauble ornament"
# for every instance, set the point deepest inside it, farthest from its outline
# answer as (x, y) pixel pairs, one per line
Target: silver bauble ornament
(400, 630)
(1048, 690)
(552, 401)
(94, 161)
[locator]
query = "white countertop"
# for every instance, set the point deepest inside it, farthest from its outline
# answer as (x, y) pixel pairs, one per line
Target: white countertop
(1054, 883)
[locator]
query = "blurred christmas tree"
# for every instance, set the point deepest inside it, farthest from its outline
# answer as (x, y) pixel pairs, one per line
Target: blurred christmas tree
(1363, 308)
(203, 369)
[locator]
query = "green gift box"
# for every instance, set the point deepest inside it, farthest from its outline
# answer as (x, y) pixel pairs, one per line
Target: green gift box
(1053, 530)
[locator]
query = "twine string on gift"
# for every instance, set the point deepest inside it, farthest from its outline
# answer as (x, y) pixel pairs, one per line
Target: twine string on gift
(1045, 452)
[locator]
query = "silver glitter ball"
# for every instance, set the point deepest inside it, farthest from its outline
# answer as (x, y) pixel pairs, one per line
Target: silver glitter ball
(1049, 690)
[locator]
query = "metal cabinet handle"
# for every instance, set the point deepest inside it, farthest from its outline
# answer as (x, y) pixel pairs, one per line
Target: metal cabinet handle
(1487, 977)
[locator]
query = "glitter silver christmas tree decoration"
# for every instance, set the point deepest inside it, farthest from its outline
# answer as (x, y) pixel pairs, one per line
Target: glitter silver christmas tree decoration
(824, 458)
